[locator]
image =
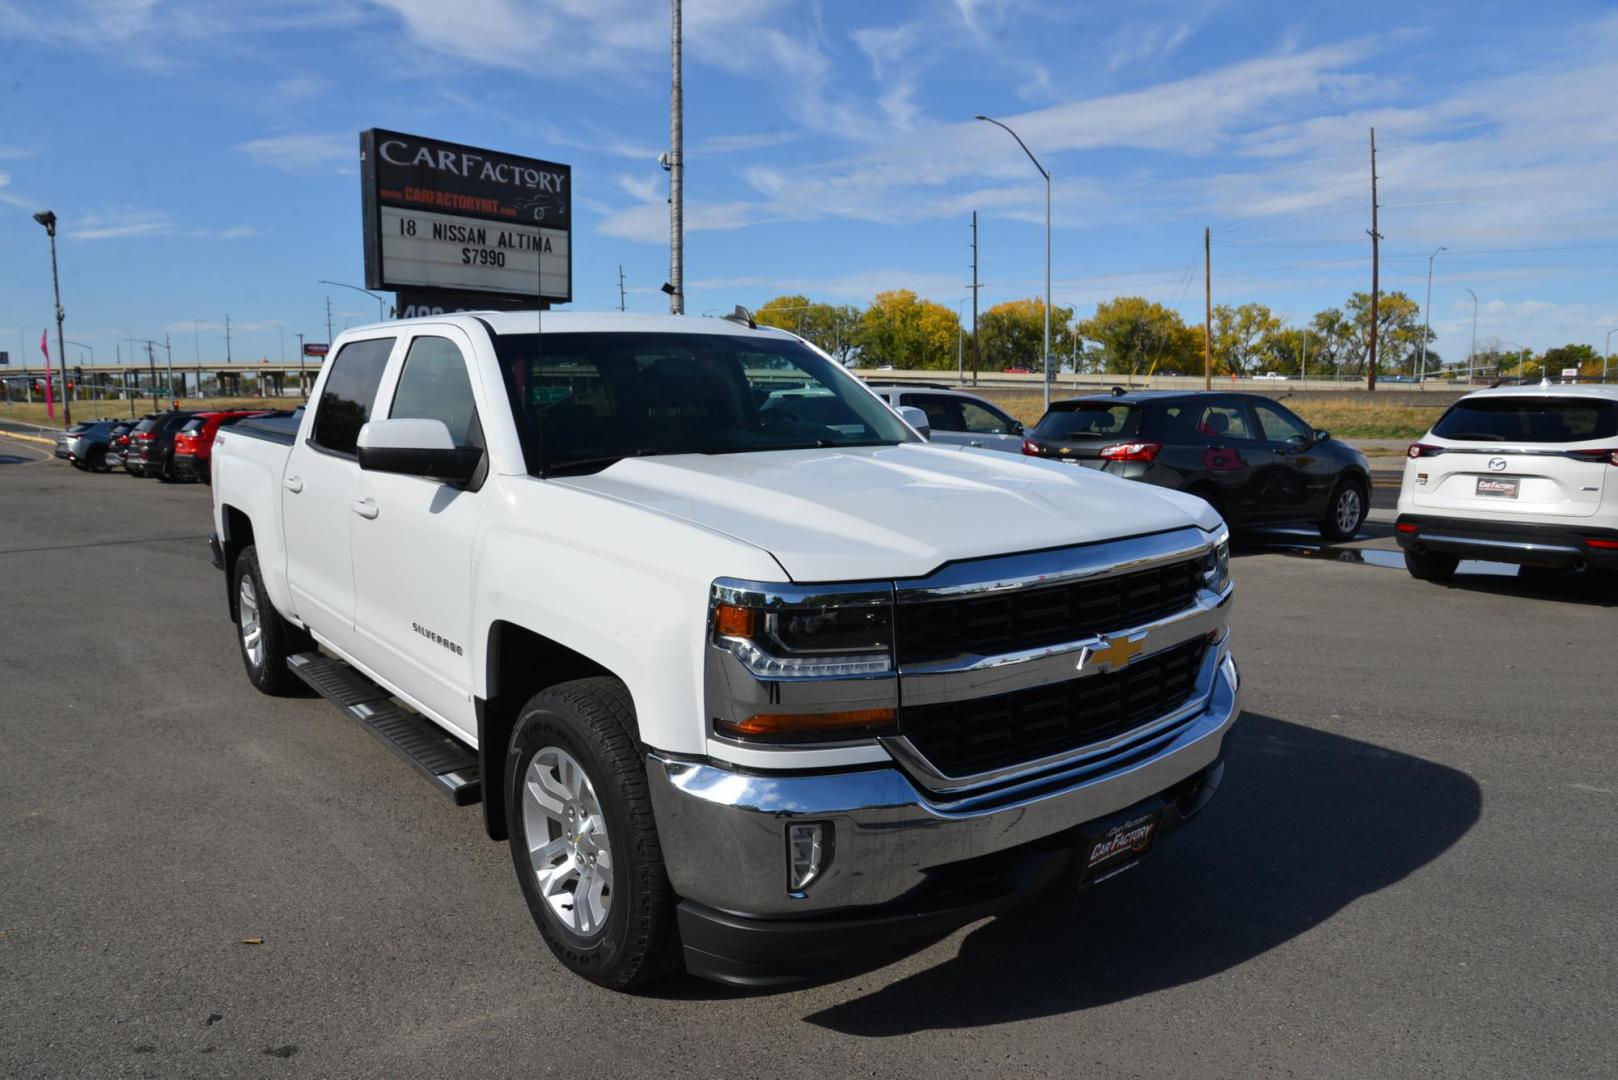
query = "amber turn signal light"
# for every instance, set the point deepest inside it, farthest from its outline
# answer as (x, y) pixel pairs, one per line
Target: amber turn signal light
(732, 621)
(809, 727)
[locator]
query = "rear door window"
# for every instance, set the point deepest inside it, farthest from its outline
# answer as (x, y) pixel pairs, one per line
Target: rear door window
(348, 394)
(943, 413)
(1225, 418)
(1089, 420)
(1529, 419)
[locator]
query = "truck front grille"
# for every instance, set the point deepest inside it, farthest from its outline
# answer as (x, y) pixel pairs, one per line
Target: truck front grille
(963, 738)
(1031, 618)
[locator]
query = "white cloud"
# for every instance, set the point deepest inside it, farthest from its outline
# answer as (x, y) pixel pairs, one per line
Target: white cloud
(8, 197)
(304, 153)
(726, 144)
(1136, 45)
(119, 224)
(12, 152)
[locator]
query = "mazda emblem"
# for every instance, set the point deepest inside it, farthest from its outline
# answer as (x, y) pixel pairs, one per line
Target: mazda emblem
(1497, 464)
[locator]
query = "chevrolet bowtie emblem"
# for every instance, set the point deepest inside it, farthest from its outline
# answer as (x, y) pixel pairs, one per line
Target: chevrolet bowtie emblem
(1112, 654)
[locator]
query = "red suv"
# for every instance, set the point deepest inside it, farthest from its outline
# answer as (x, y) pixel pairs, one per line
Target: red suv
(193, 445)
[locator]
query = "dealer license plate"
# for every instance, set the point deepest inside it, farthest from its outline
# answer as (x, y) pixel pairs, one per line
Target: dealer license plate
(1498, 487)
(1119, 845)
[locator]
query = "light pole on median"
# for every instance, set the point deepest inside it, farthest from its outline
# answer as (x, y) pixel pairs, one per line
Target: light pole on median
(1427, 316)
(48, 219)
(1471, 353)
(1606, 356)
(381, 301)
(1045, 360)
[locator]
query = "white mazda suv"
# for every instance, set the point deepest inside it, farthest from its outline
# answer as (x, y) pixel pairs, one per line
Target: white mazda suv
(1518, 474)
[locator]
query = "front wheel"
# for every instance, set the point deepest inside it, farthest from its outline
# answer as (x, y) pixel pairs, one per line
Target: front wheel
(1431, 565)
(1345, 513)
(264, 638)
(582, 836)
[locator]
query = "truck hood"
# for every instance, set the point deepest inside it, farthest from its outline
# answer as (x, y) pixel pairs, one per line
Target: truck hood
(892, 511)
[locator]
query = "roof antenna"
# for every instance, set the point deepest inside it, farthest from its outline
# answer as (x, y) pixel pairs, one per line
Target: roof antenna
(743, 316)
(1119, 391)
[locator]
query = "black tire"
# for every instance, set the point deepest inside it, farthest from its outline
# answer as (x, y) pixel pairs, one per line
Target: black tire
(165, 473)
(278, 639)
(1431, 565)
(1348, 502)
(593, 721)
(98, 461)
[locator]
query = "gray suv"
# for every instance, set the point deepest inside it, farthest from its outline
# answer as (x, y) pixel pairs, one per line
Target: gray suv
(956, 417)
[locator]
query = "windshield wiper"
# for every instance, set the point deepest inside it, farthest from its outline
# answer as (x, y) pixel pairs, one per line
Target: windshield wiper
(602, 460)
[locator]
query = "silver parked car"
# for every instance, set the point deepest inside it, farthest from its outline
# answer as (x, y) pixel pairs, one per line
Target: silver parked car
(955, 416)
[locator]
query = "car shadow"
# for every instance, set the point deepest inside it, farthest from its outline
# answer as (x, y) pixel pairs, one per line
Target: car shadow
(1305, 823)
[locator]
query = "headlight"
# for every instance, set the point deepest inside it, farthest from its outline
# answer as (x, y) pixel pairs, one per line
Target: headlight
(1216, 563)
(850, 636)
(808, 655)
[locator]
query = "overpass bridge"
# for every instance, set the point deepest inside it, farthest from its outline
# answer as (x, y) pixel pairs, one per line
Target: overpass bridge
(94, 382)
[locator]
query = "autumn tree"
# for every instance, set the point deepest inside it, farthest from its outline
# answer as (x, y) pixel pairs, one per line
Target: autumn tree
(1399, 331)
(1139, 337)
(1583, 358)
(1239, 336)
(833, 328)
(901, 329)
(1012, 334)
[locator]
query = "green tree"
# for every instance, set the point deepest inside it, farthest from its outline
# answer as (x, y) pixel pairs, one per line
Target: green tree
(1239, 335)
(1138, 337)
(1399, 332)
(901, 329)
(1583, 357)
(833, 328)
(1013, 334)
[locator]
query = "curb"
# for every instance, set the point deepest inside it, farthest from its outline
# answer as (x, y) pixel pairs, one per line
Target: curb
(26, 438)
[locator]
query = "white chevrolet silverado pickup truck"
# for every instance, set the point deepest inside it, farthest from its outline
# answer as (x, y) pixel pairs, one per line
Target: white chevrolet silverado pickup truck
(752, 678)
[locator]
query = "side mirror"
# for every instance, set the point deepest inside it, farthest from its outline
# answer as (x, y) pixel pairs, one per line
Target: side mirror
(916, 419)
(1017, 428)
(1321, 436)
(416, 448)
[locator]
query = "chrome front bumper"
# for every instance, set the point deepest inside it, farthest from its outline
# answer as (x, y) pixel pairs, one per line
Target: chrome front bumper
(724, 832)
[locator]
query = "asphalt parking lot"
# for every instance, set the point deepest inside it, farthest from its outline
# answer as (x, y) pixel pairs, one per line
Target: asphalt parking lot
(1410, 869)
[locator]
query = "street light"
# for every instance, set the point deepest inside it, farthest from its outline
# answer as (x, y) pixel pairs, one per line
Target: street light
(1606, 356)
(381, 301)
(1471, 353)
(48, 219)
(1045, 360)
(1427, 316)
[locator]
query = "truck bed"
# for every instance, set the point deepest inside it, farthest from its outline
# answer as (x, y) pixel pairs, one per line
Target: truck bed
(278, 429)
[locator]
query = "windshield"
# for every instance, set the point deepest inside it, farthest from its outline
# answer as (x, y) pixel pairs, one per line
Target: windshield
(1088, 420)
(1529, 419)
(592, 399)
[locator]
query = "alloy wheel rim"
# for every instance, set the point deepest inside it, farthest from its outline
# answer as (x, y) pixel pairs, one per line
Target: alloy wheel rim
(252, 632)
(1348, 510)
(568, 845)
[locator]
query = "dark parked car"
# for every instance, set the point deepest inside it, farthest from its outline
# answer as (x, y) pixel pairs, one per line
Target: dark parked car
(1251, 457)
(87, 445)
(193, 445)
(151, 445)
(118, 444)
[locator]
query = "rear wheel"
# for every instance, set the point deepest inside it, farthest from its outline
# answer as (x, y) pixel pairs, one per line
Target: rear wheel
(582, 836)
(1345, 511)
(263, 636)
(1431, 565)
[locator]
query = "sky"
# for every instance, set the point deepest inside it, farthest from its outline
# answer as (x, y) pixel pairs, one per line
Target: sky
(203, 156)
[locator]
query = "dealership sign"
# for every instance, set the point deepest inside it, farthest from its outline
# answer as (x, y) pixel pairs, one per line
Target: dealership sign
(440, 216)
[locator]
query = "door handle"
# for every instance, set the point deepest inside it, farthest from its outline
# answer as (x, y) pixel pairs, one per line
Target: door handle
(975, 443)
(366, 508)
(293, 484)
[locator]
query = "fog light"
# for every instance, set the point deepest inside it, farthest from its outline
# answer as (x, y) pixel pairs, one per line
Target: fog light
(806, 852)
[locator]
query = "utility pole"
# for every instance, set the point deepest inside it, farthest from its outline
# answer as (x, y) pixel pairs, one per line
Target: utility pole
(303, 370)
(227, 338)
(676, 176)
(151, 367)
(169, 353)
(620, 286)
(328, 320)
(1376, 239)
(1207, 308)
(976, 352)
